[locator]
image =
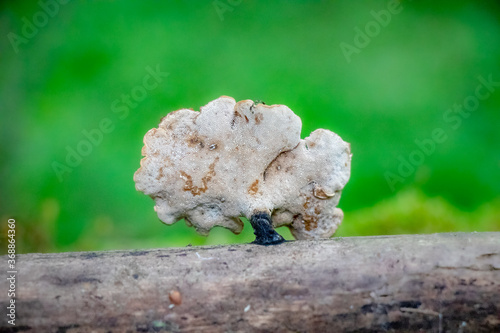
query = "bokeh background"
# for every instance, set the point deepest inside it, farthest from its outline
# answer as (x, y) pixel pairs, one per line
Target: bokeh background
(381, 85)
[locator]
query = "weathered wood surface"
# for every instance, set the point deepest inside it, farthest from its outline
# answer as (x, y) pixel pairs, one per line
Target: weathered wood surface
(427, 283)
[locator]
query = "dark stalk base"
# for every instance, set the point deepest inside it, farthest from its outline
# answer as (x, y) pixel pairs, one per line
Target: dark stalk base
(263, 230)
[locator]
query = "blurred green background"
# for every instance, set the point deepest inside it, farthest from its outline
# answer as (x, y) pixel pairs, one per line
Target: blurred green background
(380, 74)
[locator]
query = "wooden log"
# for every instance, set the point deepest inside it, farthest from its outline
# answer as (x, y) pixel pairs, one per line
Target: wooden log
(409, 283)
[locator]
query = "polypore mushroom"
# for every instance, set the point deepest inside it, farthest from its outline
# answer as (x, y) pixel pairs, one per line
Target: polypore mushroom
(241, 159)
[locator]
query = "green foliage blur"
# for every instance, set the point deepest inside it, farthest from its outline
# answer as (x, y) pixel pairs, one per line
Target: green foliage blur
(384, 75)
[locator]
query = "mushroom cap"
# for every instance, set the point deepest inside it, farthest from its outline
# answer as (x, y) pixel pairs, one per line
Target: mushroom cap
(235, 159)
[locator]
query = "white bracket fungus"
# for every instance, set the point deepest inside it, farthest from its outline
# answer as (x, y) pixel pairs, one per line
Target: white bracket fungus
(241, 159)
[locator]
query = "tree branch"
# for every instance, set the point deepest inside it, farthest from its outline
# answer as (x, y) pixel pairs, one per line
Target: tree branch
(439, 282)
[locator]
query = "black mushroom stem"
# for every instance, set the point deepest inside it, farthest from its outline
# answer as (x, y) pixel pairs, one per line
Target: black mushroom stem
(263, 230)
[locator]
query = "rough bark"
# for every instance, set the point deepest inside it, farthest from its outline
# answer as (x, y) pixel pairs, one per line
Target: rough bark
(409, 283)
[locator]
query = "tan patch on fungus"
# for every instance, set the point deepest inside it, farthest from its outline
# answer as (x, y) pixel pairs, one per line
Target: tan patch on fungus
(194, 141)
(236, 114)
(160, 174)
(254, 188)
(195, 190)
(258, 118)
(310, 220)
(320, 193)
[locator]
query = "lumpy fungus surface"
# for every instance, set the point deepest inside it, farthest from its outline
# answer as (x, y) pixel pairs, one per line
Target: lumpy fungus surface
(238, 159)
